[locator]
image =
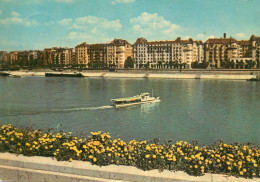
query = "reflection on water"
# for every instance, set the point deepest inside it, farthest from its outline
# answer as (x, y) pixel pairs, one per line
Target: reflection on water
(149, 107)
(205, 110)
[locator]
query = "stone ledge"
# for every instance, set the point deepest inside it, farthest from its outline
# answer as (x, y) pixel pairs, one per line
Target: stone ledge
(15, 168)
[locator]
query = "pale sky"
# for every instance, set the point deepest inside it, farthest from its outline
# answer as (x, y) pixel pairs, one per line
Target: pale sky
(38, 24)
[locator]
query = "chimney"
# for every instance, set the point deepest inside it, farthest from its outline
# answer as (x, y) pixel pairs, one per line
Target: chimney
(224, 35)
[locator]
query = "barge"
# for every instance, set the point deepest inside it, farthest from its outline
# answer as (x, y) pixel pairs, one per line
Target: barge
(64, 75)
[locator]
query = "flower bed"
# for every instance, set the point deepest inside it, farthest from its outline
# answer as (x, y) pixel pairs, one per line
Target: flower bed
(100, 149)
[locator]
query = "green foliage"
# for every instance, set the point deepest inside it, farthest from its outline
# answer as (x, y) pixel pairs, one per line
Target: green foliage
(129, 63)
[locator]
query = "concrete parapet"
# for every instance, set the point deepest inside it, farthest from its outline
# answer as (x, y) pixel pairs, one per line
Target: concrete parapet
(21, 168)
(125, 75)
(228, 77)
(176, 76)
(93, 74)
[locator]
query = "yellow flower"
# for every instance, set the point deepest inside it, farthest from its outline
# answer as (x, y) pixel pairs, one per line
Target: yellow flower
(147, 156)
(228, 163)
(154, 156)
(196, 147)
(253, 174)
(240, 163)
(218, 160)
(196, 166)
(244, 170)
(241, 173)
(70, 159)
(190, 166)
(255, 165)
(229, 168)
(109, 155)
(94, 159)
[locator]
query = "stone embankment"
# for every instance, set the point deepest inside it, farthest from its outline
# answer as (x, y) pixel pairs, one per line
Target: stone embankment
(20, 168)
(227, 75)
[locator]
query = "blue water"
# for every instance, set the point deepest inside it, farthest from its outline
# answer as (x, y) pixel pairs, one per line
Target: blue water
(206, 110)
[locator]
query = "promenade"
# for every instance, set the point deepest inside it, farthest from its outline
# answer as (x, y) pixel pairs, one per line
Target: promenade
(172, 74)
(15, 168)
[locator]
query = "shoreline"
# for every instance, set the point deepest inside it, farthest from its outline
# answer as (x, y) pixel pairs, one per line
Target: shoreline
(172, 74)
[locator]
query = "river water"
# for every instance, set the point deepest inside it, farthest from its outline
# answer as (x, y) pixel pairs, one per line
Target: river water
(205, 110)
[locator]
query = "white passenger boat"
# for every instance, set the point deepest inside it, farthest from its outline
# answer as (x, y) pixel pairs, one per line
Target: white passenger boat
(135, 100)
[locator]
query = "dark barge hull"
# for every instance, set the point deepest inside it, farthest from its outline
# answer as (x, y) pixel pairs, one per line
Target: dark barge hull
(4, 74)
(253, 79)
(63, 75)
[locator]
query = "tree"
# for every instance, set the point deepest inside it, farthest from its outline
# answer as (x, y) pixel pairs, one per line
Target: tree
(195, 64)
(129, 63)
(241, 64)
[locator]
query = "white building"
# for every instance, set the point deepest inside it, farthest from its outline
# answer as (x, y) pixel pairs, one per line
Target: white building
(167, 54)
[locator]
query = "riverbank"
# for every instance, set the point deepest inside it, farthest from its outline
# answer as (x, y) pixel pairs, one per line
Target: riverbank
(21, 168)
(172, 74)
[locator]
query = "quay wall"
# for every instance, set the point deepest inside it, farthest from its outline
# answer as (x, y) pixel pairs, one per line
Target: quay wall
(149, 74)
(21, 168)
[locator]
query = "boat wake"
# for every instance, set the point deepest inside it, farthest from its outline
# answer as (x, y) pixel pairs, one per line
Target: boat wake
(83, 108)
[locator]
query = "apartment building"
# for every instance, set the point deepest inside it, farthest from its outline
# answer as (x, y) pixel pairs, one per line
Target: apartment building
(58, 56)
(97, 55)
(111, 54)
(218, 50)
(3, 57)
(242, 54)
(81, 54)
(117, 52)
(162, 54)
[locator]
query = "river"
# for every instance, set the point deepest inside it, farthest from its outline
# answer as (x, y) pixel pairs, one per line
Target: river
(205, 110)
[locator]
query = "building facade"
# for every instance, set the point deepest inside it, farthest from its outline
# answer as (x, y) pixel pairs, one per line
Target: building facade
(237, 54)
(81, 54)
(166, 54)
(58, 56)
(112, 55)
(117, 53)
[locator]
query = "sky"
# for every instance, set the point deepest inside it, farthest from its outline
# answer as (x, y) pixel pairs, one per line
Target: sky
(39, 24)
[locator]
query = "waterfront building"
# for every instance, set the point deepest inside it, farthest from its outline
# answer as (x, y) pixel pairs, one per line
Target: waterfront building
(97, 55)
(117, 52)
(81, 54)
(255, 44)
(229, 51)
(219, 50)
(62, 56)
(112, 55)
(13, 57)
(258, 51)
(167, 54)
(58, 56)
(3, 57)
